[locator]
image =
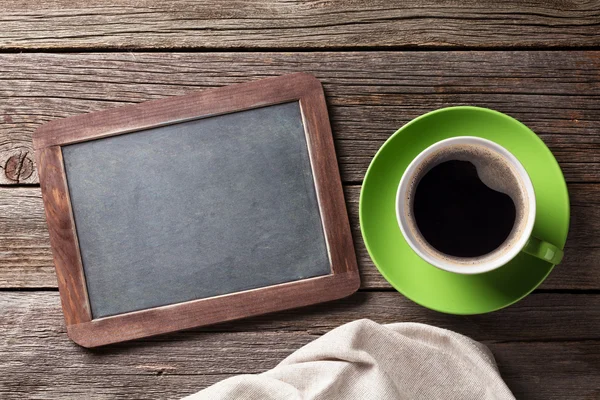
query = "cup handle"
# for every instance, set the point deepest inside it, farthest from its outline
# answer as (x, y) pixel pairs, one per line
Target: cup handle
(543, 250)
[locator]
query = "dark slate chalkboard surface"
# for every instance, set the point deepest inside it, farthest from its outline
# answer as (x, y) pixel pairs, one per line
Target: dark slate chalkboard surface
(196, 209)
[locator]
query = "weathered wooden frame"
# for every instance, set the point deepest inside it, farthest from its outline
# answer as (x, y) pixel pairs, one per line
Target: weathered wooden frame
(88, 332)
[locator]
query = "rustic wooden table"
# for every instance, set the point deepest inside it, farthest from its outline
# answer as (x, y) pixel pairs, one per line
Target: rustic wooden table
(382, 63)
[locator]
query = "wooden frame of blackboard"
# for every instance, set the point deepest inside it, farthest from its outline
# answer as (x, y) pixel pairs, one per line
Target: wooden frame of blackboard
(88, 332)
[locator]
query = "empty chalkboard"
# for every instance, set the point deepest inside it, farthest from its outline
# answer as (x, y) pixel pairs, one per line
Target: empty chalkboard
(194, 210)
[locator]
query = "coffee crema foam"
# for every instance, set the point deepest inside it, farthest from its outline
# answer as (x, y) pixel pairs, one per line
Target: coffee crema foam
(496, 173)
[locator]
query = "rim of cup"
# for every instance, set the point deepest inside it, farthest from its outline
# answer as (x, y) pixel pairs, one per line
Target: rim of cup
(485, 265)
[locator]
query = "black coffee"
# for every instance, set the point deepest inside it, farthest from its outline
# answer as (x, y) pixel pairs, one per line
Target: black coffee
(458, 214)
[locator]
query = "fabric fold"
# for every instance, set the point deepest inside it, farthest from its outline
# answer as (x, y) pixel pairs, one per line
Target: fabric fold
(367, 360)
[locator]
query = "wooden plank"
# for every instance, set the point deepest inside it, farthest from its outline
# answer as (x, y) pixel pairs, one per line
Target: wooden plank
(579, 270)
(26, 259)
(534, 342)
(283, 24)
(540, 316)
(370, 94)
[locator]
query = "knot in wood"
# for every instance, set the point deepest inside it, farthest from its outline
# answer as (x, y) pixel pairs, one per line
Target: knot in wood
(18, 167)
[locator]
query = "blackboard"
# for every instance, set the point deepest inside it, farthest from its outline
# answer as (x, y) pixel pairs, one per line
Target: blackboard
(195, 209)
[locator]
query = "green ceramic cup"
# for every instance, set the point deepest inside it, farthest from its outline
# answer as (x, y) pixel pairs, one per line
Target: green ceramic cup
(513, 175)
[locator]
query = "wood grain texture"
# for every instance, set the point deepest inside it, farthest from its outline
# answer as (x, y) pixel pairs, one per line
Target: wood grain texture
(175, 109)
(74, 24)
(546, 346)
(369, 94)
(233, 306)
(26, 260)
(63, 236)
(38, 361)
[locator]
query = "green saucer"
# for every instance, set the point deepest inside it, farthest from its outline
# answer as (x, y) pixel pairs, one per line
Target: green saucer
(425, 284)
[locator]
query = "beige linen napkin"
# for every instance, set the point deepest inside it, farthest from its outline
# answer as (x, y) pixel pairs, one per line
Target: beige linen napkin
(366, 360)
